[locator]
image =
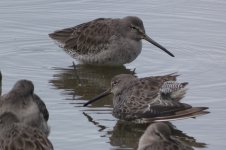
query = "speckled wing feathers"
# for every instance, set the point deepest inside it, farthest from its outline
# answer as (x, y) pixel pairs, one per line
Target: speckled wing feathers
(147, 89)
(42, 107)
(171, 86)
(86, 38)
(141, 98)
(161, 110)
(187, 113)
(24, 138)
(173, 90)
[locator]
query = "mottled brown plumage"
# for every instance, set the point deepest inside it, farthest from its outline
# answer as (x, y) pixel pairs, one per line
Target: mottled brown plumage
(149, 99)
(26, 105)
(158, 136)
(105, 40)
(15, 135)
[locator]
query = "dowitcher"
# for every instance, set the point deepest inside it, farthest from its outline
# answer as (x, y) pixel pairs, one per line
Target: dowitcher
(26, 105)
(149, 99)
(158, 136)
(17, 135)
(105, 40)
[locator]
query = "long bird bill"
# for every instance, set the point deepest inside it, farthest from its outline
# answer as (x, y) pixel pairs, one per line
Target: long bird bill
(147, 38)
(107, 92)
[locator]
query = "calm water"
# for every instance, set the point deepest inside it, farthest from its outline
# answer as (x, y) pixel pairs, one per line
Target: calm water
(195, 31)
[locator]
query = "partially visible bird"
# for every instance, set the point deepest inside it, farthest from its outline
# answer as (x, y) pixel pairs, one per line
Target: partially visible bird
(105, 41)
(158, 136)
(26, 105)
(149, 99)
(15, 135)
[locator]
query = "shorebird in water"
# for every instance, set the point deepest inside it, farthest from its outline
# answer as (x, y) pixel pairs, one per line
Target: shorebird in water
(26, 105)
(105, 41)
(159, 136)
(149, 99)
(18, 135)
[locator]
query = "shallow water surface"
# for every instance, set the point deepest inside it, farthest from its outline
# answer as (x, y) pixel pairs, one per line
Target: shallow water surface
(193, 30)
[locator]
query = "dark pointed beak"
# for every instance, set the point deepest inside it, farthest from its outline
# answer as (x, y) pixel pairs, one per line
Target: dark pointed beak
(147, 38)
(107, 92)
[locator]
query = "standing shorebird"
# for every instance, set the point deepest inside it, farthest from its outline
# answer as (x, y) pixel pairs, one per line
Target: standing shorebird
(26, 105)
(16, 135)
(158, 136)
(149, 99)
(105, 41)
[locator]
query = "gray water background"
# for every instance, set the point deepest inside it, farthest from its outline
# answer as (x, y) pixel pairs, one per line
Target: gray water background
(194, 30)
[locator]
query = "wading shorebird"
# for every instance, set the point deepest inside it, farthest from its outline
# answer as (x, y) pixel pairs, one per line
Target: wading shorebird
(105, 41)
(159, 136)
(17, 135)
(26, 105)
(149, 99)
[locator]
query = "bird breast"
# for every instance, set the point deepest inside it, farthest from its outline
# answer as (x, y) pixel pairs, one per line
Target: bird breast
(119, 51)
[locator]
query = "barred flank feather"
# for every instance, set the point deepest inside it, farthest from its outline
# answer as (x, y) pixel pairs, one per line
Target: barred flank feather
(173, 90)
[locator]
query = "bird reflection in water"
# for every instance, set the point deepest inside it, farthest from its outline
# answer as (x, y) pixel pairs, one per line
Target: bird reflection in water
(128, 135)
(86, 81)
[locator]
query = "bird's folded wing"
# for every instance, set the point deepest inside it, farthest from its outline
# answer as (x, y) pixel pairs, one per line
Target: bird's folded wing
(90, 37)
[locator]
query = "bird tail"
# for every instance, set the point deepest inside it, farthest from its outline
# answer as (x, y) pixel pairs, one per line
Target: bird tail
(173, 90)
(61, 36)
(188, 113)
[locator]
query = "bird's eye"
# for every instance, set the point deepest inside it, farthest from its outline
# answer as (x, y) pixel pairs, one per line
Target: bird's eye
(114, 83)
(133, 27)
